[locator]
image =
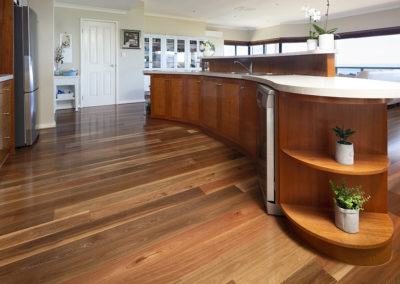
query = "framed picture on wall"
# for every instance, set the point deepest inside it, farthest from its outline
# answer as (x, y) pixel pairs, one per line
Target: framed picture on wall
(130, 39)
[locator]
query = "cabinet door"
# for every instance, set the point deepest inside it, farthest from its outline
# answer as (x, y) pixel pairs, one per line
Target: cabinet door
(209, 102)
(176, 95)
(193, 99)
(249, 118)
(159, 96)
(156, 53)
(5, 119)
(230, 102)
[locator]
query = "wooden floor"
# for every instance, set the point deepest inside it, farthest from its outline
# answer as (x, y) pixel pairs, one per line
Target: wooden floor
(110, 197)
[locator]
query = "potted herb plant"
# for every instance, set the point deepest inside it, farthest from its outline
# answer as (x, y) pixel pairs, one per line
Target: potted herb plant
(348, 203)
(344, 153)
(313, 15)
(148, 108)
(326, 37)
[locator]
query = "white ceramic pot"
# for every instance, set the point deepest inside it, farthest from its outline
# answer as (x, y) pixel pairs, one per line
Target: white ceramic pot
(326, 41)
(347, 220)
(344, 153)
(312, 44)
(208, 52)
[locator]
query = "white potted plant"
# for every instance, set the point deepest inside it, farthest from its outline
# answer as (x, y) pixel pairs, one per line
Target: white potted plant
(344, 153)
(348, 203)
(208, 48)
(326, 37)
(313, 15)
(59, 58)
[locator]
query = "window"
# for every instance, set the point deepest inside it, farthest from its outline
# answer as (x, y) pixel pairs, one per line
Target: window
(257, 49)
(272, 48)
(242, 50)
(294, 47)
(357, 51)
(229, 50)
(236, 50)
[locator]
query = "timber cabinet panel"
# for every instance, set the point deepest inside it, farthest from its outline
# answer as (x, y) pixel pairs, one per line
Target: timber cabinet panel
(159, 96)
(224, 107)
(229, 97)
(7, 37)
(249, 118)
(6, 125)
(167, 97)
(175, 97)
(210, 106)
(310, 64)
(192, 100)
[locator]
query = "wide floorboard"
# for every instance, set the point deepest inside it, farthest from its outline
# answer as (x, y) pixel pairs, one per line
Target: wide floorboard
(112, 197)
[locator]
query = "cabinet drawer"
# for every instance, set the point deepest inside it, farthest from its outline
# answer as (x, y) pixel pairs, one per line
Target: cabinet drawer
(5, 116)
(5, 133)
(5, 93)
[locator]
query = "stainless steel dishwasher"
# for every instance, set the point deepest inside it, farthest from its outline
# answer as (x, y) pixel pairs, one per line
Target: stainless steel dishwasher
(266, 148)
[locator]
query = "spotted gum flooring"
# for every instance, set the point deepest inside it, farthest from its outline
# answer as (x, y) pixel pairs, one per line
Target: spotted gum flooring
(110, 197)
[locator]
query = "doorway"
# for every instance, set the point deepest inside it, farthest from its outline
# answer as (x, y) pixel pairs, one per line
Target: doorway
(98, 62)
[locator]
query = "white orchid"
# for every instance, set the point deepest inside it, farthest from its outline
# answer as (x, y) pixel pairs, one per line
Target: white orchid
(313, 15)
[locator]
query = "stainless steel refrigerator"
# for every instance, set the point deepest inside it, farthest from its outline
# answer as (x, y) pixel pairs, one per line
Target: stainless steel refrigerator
(25, 75)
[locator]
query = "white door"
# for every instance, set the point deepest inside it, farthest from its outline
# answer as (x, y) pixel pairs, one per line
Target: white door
(98, 63)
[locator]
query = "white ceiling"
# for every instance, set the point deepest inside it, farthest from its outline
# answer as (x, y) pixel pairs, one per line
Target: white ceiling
(123, 5)
(252, 14)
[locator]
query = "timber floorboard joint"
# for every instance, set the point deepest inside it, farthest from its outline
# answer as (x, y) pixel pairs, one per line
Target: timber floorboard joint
(111, 197)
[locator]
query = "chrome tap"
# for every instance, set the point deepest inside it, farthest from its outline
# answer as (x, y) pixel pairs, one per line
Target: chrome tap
(248, 69)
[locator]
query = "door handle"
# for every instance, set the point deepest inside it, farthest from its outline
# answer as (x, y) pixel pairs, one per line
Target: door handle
(112, 65)
(6, 113)
(218, 84)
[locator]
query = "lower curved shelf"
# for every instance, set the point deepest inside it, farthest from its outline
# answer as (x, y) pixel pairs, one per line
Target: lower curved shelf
(371, 246)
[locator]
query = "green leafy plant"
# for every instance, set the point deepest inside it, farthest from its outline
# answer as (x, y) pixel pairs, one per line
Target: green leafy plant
(325, 30)
(348, 197)
(59, 56)
(343, 134)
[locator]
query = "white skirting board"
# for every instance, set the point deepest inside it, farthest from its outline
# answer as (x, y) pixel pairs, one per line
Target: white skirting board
(46, 125)
(131, 102)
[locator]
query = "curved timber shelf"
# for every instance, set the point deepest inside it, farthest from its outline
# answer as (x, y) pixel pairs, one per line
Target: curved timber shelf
(364, 164)
(371, 246)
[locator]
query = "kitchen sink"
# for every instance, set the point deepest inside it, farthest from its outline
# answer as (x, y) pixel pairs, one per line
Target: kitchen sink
(255, 73)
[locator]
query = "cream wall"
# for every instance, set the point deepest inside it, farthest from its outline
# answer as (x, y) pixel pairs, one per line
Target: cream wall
(179, 27)
(131, 61)
(45, 15)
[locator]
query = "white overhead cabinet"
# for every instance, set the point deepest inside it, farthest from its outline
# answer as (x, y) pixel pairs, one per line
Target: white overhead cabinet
(172, 53)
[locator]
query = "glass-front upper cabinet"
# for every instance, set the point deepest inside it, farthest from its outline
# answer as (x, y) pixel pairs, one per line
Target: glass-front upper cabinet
(146, 53)
(181, 54)
(172, 52)
(156, 53)
(193, 53)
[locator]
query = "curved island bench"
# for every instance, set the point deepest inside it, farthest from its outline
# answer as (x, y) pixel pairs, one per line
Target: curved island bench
(306, 109)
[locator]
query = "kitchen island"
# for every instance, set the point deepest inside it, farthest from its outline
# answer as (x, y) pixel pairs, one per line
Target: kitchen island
(224, 105)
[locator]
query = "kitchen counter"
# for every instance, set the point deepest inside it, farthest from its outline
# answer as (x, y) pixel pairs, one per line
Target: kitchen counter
(338, 87)
(5, 77)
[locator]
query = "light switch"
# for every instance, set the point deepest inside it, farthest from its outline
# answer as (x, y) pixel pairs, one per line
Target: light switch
(123, 54)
